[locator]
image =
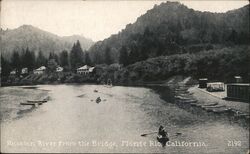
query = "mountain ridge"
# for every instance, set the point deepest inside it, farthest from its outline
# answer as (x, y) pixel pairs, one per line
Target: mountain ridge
(173, 22)
(37, 39)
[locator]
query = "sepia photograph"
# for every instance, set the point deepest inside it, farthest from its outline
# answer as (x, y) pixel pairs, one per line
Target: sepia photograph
(126, 76)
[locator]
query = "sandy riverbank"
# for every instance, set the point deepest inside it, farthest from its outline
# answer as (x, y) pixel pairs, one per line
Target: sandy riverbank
(205, 98)
(193, 99)
(11, 97)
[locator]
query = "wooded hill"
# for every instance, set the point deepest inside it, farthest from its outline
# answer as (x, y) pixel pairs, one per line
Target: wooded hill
(172, 28)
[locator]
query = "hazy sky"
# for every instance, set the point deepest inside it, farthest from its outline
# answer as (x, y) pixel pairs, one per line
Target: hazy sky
(96, 20)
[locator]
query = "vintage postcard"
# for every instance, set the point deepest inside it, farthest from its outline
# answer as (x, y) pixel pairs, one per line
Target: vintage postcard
(127, 76)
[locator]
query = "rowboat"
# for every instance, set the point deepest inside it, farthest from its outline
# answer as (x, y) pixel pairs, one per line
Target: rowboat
(37, 101)
(162, 140)
(108, 86)
(34, 104)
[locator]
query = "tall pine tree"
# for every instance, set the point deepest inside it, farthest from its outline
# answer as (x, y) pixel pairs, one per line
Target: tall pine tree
(6, 67)
(123, 59)
(76, 56)
(108, 59)
(64, 58)
(29, 59)
(16, 62)
(41, 60)
(52, 55)
(87, 59)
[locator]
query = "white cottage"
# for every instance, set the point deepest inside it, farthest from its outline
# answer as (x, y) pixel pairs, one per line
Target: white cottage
(85, 70)
(40, 70)
(13, 72)
(91, 69)
(24, 71)
(59, 69)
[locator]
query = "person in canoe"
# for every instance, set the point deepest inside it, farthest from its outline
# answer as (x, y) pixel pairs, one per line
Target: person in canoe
(98, 100)
(162, 136)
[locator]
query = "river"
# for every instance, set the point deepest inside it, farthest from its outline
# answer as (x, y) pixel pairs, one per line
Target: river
(72, 122)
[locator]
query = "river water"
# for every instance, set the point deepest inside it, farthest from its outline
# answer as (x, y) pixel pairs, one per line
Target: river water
(73, 122)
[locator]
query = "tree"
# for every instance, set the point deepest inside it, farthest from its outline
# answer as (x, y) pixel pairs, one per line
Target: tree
(16, 62)
(54, 56)
(41, 60)
(29, 59)
(76, 55)
(134, 54)
(64, 58)
(6, 67)
(108, 59)
(233, 37)
(87, 59)
(215, 38)
(52, 65)
(123, 59)
(22, 55)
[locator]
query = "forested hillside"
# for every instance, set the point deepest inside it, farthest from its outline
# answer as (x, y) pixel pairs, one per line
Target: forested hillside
(215, 64)
(172, 28)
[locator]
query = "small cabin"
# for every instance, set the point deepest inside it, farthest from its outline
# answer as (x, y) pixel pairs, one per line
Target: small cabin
(239, 91)
(203, 83)
(91, 69)
(24, 71)
(40, 70)
(238, 79)
(59, 69)
(215, 86)
(13, 72)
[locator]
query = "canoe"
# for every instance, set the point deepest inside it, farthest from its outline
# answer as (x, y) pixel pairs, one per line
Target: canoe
(35, 104)
(108, 86)
(162, 140)
(216, 106)
(37, 101)
(212, 104)
(189, 101)
(221, 110)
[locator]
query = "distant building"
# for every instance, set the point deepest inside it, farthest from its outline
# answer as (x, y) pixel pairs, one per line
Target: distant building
(91, 69)
(203, 83)
(85, 70)
(40, 70)
(59, 69)
(239, 91)
(215, 86)
(13, 72)
(24, 71)
(238, 79)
